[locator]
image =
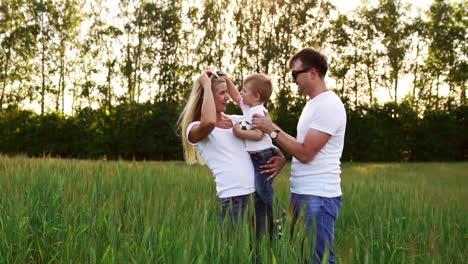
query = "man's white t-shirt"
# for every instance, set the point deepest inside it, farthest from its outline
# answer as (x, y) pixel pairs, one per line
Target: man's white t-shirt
(248, 112)
(225, 155)
(321, 176)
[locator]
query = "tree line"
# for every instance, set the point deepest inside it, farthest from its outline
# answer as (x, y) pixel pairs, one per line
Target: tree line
(146, 131)
(114, 77)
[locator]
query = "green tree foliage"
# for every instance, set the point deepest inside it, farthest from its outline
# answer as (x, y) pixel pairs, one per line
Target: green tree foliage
(66, 24)
(298, 22)
(446, 32)
(147, 131)
(394, 29)
(43, 13)
(164, 66)
(18, 38)
(339, 39)
(210, 23)
(128, 131)
(125, 68)
(254, 34)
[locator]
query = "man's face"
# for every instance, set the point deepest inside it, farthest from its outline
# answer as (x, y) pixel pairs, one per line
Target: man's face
(303, 77)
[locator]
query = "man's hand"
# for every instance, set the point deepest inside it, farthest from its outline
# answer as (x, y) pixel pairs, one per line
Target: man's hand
(274, 165)
(263, 123)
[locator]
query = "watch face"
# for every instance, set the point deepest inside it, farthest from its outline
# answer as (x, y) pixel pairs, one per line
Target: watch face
(273, 134)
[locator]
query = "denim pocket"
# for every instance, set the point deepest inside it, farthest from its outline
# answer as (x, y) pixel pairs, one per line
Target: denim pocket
(225, 202)
(332, 206)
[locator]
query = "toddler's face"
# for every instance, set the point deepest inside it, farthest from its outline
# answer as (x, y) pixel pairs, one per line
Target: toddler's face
(248, 96)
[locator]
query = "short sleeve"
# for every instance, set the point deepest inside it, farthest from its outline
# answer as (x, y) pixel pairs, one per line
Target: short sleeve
(190, 126)
(236, 118)
(245, 108)
(258, 110)
(251, 111)
(326, 119)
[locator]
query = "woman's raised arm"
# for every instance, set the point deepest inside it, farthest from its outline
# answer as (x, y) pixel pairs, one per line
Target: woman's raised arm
(208, 112)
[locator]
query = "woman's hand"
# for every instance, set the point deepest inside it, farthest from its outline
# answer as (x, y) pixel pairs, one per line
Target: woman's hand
(274, 165)
(222, 74)
(204, 80)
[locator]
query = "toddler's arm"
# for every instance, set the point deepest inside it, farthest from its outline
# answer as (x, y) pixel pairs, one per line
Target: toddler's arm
(232, 90)
(254, 134)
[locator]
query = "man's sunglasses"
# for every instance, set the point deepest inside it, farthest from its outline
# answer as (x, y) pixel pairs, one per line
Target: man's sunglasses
(296, 73)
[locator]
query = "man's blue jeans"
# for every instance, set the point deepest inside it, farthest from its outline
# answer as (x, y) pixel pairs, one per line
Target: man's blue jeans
(320, 216)
(264, 191)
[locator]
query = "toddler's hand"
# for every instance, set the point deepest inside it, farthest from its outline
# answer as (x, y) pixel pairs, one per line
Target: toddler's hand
(236, 129)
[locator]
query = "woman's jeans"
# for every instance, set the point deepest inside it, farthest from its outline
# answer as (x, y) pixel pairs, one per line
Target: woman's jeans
(320, 216)
(234, 207)
(264, 191)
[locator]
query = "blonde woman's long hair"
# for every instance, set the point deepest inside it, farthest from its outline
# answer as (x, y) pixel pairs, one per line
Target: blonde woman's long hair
(191, 113)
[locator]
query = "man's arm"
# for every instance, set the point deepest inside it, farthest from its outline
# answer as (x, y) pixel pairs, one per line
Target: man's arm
(304, 152)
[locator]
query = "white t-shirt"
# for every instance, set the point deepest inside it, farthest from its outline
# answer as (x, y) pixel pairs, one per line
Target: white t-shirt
(321, 176)
(225, 155)
(248, 112)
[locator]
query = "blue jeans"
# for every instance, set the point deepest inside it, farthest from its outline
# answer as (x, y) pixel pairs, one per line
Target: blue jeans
(320, 216)
(264, 191)
(234, 207)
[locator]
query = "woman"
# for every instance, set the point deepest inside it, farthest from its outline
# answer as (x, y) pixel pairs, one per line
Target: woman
(206, 129)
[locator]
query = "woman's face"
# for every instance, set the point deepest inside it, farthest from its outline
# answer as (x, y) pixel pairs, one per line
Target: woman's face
(221, 97)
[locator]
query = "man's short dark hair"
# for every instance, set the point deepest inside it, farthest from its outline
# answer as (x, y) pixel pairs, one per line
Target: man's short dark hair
(311, 58)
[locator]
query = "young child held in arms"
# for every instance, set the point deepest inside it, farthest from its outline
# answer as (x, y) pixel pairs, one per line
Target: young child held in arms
(256, 90)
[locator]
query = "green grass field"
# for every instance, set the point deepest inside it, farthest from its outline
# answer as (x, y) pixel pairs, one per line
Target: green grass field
(69, 211)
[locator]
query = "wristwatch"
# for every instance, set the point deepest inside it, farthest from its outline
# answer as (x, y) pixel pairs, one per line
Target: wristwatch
(274, 134)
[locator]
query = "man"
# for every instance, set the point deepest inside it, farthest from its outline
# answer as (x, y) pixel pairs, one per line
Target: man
(315, 170)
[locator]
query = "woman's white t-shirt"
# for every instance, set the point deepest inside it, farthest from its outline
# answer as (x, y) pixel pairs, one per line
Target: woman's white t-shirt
(225, 155)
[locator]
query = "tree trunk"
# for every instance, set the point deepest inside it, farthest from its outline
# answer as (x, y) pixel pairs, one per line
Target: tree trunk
(257, 54)
(137, 80)
(449, 98)
(63, 85)
(42, 66)
(60, 84)
(4, 79)
(415, 72)
(463, 94)
(109, 78)
(342, 87)
(43, 80)
(129, 74)
(355, 80)
(369, 80)
(73, 102)
(396, 88)
(437, 92)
